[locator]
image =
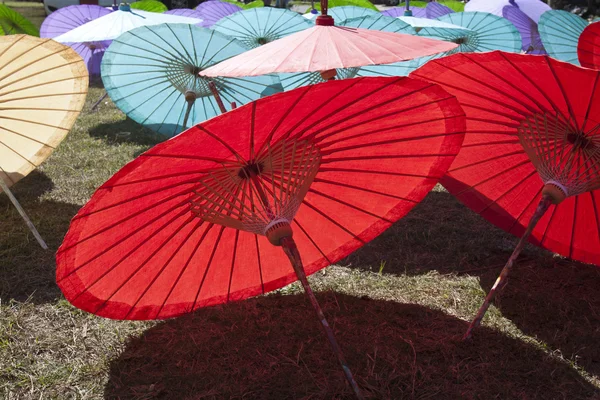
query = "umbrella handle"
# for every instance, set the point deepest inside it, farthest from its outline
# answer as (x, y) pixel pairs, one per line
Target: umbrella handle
(501, 280)
(213, 89)
(21, 211)
(99, 101)
(291, 250)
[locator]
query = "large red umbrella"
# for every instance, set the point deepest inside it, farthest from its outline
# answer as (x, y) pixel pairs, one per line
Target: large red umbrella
(530, 162)
(588, 47)
(325, 47)
(196, 220)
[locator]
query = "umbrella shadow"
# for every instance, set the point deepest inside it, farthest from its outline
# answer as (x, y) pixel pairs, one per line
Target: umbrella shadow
(272, 348)
(27, 272)
(126, 131)
(547, 297)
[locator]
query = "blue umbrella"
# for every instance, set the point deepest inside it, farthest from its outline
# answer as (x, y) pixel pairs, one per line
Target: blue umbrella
(375, 22)
(487, 32)
(151, 74)
(340, 14)
(560, 31)
(258, 26)
(481, 32)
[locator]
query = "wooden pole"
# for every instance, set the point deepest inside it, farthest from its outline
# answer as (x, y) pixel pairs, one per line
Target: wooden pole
(21, 211)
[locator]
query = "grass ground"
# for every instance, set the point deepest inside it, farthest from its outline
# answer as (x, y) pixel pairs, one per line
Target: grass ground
(398, 306)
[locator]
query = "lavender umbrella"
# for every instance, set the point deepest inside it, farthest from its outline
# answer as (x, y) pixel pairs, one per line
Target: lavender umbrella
(435, 10)
(213, 11)
(187, 12)
(67, 18)
(399, 12)
(532, 8)
(530, 36)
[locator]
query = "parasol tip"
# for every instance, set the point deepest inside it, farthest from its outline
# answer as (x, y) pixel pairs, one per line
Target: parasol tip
(124, 7)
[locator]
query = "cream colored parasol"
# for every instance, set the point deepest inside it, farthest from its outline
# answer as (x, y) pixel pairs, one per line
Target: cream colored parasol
(43, 85)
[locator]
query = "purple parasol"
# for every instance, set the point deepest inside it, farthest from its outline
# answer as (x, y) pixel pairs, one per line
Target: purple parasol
(187, 12)
(399, 12)
(532, 8)
(532, 43)
(68, 18)
(435, 10)
(212, 11)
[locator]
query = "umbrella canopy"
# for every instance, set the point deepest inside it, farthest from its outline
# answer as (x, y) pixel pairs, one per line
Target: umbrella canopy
(213, 11)
(13, 23)
(422, 23)
(560, 31)
(530, 36)
(588, 48)
(532, 143)
(326, 47)
(259, 26)
(340, 14)
(486, 32)
(374, 22)
(188, 12)
(113, 25)
(532, 8)
(67, 18)
(43, 87)
(399, 12)
(149, 5)
(151, 74)
(196, 221)
(435, 10)
(311, 15)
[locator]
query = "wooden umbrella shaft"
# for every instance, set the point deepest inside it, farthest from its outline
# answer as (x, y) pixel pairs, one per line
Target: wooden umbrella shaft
(190, 104)
(21, 211)
(290, 249)
(501, 280)
(215, 93)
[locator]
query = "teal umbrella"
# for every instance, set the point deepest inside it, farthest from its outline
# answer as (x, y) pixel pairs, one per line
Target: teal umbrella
(481, 32)
(560, 31)
(375, 22)
(151, 74)
(258, 26)
(340, 14)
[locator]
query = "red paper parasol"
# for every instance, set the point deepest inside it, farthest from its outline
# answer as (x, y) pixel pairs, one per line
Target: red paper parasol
(196, 220)
(588, 47)
(530, 163)
(325, 47)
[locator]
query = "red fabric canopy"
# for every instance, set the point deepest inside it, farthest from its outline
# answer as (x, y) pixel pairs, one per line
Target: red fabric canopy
(323, 48)
(138, 250)
(492, 173)
(588, 47)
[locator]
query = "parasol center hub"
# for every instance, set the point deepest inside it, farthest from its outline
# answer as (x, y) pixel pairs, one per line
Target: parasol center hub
(580, 140)
(277, 230)
(324, 20)
(328, 74)
(262, 40)
(460, 40)
(555, 191)
(251, 170)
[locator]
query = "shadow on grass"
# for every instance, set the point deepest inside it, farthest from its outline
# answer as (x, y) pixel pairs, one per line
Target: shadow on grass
(26, 270)
(553, 299)
(273, 348)
(126, 131)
